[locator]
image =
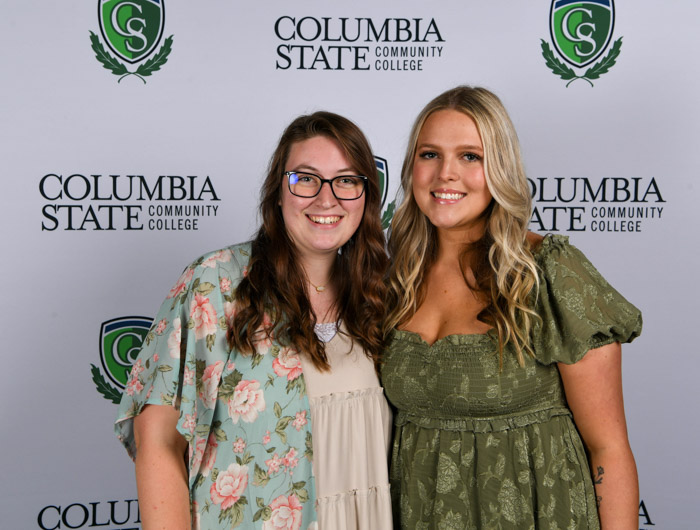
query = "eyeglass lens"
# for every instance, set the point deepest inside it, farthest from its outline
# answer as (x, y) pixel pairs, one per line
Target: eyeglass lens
(309, 185)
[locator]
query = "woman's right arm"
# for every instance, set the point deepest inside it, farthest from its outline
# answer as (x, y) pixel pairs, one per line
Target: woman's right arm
(161, 472)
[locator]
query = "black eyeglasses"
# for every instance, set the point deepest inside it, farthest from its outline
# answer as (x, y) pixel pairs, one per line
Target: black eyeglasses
(344, 187)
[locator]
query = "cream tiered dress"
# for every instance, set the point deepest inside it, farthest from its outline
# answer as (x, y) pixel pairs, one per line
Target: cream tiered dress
(351, 429)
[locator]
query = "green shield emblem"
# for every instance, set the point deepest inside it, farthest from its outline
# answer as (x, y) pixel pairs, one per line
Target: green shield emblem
(120, 343)
(131, 28)
(581, 30)
(383, 172)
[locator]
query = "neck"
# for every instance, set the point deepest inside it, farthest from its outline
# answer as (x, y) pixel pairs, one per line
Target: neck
(318, 270)
(451, 243)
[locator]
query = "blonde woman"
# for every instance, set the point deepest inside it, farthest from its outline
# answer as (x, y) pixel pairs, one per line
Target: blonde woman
(504, 360)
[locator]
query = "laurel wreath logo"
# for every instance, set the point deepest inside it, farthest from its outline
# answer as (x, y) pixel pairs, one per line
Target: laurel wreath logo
(387, 215)
(594, 72)
(104, 388)
(117, 68)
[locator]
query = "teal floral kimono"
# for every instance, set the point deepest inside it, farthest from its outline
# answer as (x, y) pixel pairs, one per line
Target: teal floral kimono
(246, 417)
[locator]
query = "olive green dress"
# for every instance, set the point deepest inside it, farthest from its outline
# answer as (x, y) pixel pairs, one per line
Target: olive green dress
(478, 447)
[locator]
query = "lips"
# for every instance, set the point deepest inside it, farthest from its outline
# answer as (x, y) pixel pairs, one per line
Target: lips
(324, 219)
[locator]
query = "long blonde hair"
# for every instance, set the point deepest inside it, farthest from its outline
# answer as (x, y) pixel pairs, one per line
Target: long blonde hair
(504, 269)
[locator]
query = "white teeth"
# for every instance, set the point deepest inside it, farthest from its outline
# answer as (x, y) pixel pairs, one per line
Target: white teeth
(325, 220)
(448, 196)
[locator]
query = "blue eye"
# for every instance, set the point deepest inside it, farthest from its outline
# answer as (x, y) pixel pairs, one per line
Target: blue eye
(472, 157)
(428, 155)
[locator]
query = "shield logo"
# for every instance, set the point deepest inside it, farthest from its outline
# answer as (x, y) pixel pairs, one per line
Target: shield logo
(131, 28)
(581, 30)
(383, 172)
(120, 342)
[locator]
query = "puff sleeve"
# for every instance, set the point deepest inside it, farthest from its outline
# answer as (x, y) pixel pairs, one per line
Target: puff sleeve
(185, 351)
(579, 309)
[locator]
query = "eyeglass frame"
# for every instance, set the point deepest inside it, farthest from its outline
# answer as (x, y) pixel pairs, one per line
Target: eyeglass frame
(288, 174)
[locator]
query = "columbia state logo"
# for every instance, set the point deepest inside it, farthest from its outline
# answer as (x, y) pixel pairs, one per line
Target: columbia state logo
(120, 342)
(581, 32)
(383, 172)
(132, 30)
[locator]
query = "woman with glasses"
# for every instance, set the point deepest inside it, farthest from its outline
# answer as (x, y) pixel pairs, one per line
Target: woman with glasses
(254, 402)
(504, 362)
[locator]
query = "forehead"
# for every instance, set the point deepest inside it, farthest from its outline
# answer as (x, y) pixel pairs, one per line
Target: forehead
(450, 126)
(320, 152)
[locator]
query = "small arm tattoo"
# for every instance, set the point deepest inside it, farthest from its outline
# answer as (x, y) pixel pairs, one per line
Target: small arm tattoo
(598, 479)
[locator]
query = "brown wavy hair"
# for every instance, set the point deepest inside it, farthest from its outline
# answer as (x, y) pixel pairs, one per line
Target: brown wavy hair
(505, 272)
(276, 284)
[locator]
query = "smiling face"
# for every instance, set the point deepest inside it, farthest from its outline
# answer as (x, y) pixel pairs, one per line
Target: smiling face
(320, 225)
(449, 184)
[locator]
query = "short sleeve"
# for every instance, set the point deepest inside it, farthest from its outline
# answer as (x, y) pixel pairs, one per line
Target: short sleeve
(580, 310)
(185, 351)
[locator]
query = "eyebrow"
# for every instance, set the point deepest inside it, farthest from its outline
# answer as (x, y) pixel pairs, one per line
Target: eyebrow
(312, 169)
(467, 147)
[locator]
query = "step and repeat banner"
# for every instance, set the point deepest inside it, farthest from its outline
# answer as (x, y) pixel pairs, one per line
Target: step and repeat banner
(136, 134)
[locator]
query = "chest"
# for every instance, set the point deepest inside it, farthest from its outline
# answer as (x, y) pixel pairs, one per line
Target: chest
(449, 307)
(453, 379)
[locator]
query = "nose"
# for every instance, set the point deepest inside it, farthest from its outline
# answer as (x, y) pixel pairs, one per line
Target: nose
(448, 170)
(325, 195)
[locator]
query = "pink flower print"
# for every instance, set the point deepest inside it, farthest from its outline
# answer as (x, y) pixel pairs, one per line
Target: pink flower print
(229, 312)
(160, 328)
(229, 486)
(221, 256)
(287, 364)
(239, 446)
(300, 420)
(286, 514)
(204, 316)
(189, 424)
(175, 338)
(273, 464)
(156, 357)
(245, 271)
(230, 367)
(210, 383)
(266, 438)
(134, 386)
(247, 401)
(181, 283)
(196, 516)
(225, 285)
(290, 460)
(263, 336)
(136, 369)
(209, 456)
(188, 377)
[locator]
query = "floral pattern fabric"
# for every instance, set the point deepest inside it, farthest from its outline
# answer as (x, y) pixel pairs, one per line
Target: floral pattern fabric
(244, 416)
(476, 447)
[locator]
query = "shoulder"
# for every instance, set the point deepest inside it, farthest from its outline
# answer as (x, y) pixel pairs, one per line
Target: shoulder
(231, 261)
(534, 240)
(552, 248)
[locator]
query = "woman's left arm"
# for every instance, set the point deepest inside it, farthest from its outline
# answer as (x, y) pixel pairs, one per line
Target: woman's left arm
(593, 389)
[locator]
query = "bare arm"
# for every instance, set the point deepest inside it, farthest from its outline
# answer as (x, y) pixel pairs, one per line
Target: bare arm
(161, 474)
(594, 391)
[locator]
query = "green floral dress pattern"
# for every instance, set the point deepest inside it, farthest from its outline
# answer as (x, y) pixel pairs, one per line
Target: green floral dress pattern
(246, 417)
(476, 447)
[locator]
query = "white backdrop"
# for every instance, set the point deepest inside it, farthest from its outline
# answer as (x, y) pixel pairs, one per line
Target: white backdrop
(215, 111)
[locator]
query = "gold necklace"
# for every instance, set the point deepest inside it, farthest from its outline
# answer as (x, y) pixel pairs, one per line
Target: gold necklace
(319, 288)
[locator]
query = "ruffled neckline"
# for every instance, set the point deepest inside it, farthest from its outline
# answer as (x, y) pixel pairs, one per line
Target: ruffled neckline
(455, 339)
